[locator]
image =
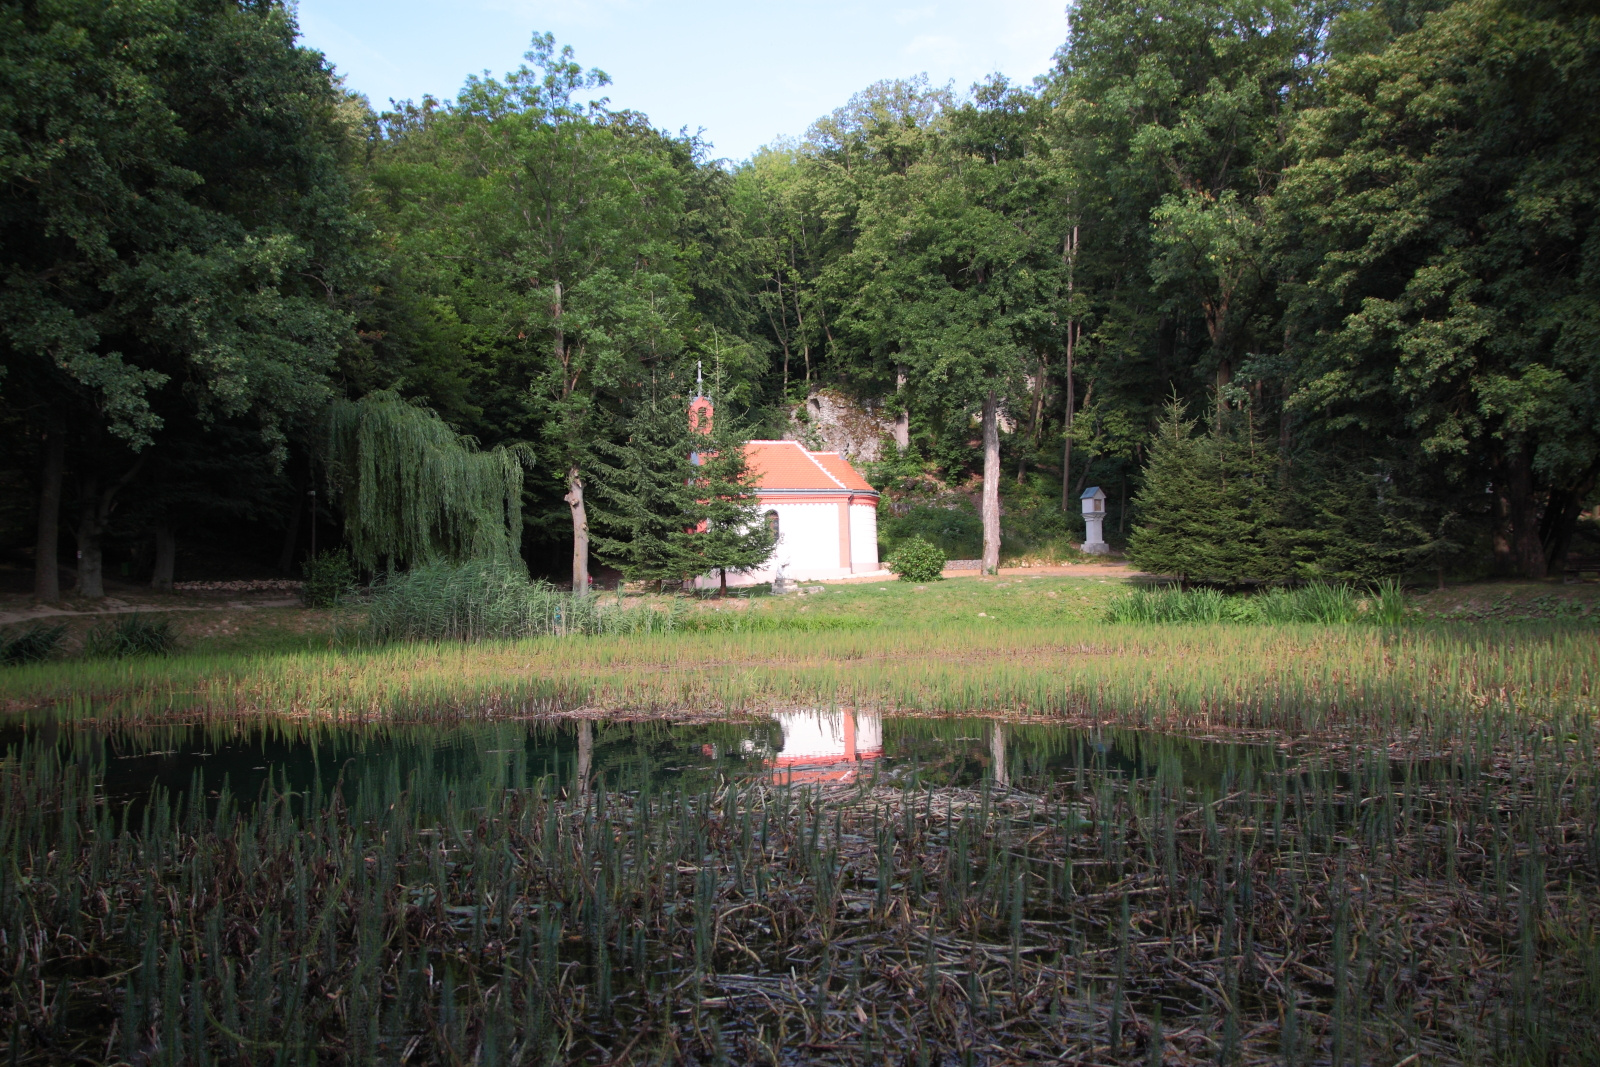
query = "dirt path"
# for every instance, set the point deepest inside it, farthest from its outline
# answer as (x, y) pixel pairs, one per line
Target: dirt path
(11, 613)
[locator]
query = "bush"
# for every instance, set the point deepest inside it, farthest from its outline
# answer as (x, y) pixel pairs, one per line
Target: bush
(953, 527)
(1319, 602)
(486, 599)
(32, 644)
(917, 561)
(131, 635)
(329, 579)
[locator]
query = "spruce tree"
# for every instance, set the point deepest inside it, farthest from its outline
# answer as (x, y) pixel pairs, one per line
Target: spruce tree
(645, 495)
(675, 502)
(728, 532)
(1211, 507)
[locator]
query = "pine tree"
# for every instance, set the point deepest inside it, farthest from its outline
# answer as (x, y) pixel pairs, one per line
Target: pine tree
(1211, 507)
(728, 532)
(645, 495)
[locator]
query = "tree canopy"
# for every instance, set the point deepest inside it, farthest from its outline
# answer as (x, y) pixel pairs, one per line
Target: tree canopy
(1356, 243)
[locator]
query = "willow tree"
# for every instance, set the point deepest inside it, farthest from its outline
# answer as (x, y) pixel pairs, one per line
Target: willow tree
(414, 490)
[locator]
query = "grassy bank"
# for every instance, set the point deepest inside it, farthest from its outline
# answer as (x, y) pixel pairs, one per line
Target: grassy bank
(970, 647)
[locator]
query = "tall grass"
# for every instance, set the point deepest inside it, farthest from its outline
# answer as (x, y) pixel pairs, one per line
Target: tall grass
(1316, 602)
(1297, 678)
(482, 600)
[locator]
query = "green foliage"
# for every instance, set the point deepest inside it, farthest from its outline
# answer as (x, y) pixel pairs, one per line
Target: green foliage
(1211, 506)
(726, 530)
(644, 495)
(951, 525)
(917, 561)
(1315, 602)
(132, 634)
(176, 216)
(329, 578)
(483, 599)
(414, 490)
(31, 644)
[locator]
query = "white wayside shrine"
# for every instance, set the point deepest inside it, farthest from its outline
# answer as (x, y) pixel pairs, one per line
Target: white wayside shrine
(1094, 519)
(825, 513)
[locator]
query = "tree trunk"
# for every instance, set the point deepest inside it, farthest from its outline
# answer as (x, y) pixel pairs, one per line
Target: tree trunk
(580, 531)
(166, 559)
(585, 753)
(291, 537)
(46, 565)
(1561, 514)
(91, 577)
(902, 421)
(722, 590)
(991, 484)
(997, 753)
(1526, 550)
(1070, 255)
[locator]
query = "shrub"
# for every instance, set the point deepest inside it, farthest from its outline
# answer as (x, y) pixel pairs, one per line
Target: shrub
(952, 526)
(489, 599)
(131, 635)
(1388, 606)
(329, 579)
(1319, 602)
(917, 561)
(32, 644)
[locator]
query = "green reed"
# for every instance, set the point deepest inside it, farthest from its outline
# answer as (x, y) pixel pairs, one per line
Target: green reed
(1294, 678)
(1129, 896)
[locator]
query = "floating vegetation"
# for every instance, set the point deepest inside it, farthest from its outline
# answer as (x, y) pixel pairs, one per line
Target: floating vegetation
(975, 893)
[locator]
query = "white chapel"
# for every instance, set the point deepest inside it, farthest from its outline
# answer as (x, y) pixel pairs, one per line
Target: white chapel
(825, 513)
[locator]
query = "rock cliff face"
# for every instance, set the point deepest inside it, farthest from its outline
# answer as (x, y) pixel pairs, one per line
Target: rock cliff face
(830, 421)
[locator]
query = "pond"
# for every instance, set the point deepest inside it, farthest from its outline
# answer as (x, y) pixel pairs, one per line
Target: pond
(813, 885)
(802, 746)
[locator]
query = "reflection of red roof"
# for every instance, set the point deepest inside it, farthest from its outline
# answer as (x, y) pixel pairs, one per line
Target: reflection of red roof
(840, 468)
(839, 769)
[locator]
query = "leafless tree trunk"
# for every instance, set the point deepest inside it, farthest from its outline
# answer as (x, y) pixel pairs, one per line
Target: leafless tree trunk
(1070, 254)
(291, 536)
(46, 566)
(991, 483)
(1526, 547)
(166, 558)
(585, 753)
(997, 753)
(574, 497)
(91, 579)
(580, 531)
(902, 421)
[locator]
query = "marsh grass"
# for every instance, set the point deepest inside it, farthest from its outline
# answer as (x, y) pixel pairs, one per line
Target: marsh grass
(1340, 909)
(132, 634)
(484, 600)
(1315, 602)
(32, 644)
(1295, 680)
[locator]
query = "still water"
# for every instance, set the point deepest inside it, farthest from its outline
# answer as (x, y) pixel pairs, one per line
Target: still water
(810, 746)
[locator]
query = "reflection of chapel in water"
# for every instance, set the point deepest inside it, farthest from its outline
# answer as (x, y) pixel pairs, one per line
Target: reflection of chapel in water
(827, 746)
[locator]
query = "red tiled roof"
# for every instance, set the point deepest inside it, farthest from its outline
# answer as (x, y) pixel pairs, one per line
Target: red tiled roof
(840, 468)
(786, 465)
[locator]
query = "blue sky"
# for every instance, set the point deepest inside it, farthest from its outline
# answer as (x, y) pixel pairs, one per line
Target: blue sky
(745, 72)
